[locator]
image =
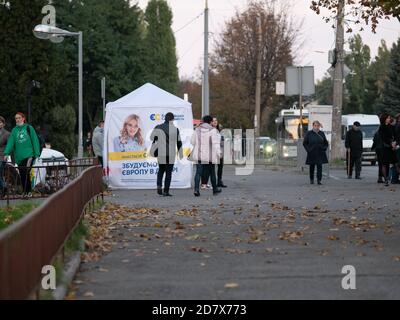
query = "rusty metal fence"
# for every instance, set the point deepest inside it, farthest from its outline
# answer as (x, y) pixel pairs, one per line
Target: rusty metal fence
(33, 241)
(45, 177)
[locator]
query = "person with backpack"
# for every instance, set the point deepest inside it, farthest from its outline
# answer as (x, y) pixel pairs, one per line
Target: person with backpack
(23, 143)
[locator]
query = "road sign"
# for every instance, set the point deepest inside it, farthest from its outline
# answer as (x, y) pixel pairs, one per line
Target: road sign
(299, 80)
(280, 88)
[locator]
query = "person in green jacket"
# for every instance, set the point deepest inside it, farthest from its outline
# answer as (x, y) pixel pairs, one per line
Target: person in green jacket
(23, 143)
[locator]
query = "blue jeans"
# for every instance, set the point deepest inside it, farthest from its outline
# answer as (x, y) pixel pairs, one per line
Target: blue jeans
(199, 172)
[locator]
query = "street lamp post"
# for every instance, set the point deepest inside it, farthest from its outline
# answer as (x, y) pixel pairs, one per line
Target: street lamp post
(47, 32)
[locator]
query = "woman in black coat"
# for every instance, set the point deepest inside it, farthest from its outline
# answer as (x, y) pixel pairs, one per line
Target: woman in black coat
(386, 135)
(316, 145)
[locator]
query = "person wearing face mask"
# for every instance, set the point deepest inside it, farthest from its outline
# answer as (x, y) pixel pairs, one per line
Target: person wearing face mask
(354, 148)
(23, 143)
(316, 144)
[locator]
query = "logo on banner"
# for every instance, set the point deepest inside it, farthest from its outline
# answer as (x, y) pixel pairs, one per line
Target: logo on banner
(158, 117)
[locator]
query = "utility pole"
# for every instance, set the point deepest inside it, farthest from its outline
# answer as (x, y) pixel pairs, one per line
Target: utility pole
(205, 109)
(103, 95)
(257, 117)
(301, 101)
(338, 84)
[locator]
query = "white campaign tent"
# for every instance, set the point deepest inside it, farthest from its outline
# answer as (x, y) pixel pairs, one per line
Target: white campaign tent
(128, 125)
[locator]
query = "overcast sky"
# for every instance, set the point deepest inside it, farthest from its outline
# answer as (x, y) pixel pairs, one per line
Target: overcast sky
(318, 35)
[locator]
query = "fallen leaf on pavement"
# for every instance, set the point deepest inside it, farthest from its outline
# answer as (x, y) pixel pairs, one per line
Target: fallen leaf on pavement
(231, 285)
(88, 294)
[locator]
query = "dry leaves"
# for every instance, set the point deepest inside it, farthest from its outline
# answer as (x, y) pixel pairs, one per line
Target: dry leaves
(231, 285)
(291, 235)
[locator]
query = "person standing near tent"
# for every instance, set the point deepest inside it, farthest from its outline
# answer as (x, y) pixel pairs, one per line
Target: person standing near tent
(166, 140)
(98, 141)
(206, 153)
(131, 138)
(206, 175)
(23, 143)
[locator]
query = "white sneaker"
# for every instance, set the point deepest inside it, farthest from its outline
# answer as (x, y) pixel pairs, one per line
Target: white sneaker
(208, 186)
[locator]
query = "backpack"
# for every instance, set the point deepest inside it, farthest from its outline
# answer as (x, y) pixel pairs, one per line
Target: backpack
(41, 140)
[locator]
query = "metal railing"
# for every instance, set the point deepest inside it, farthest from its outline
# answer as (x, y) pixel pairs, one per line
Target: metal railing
(45, 177)
(33, 241)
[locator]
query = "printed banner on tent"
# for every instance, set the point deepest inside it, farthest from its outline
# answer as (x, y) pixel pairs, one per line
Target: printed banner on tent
(128, 131)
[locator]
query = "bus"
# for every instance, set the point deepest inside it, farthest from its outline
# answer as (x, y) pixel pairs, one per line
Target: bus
(289, 130)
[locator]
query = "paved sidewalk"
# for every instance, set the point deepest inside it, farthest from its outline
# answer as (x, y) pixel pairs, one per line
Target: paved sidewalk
(270, 235)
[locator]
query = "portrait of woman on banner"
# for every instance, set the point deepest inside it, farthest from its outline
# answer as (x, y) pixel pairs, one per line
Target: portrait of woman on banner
(131, 136)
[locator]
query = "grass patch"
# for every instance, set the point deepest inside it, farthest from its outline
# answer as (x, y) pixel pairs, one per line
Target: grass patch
(9, 215)
(338, 163)
(74, 242)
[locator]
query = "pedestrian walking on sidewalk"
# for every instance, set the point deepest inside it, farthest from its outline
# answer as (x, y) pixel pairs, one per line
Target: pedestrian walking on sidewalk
(23, 143)
(354, 149)
(316, 144)
(166, 141)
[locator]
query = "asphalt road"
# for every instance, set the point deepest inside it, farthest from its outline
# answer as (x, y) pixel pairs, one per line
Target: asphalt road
(269, 235)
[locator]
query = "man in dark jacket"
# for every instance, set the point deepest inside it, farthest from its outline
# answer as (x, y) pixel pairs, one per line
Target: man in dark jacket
(316, 145)
(354, 149)
(166, 139)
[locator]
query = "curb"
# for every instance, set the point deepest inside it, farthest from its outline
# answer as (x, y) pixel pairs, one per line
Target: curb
(69, 272)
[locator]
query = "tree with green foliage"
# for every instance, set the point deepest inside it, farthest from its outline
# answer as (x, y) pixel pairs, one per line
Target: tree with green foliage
(377, 75)
(358, 61)
(391, 92)
(112, 48)
(324, 90)
(62, 130)
(160, 48)
(24, 58)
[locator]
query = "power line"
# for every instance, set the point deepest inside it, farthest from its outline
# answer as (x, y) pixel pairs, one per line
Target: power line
(191, 46)
(191, 21)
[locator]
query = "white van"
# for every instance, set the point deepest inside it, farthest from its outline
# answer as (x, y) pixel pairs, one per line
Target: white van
(369, 125)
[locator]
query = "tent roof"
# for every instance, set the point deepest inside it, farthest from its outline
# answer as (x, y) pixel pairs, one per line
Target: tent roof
(149, 95)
